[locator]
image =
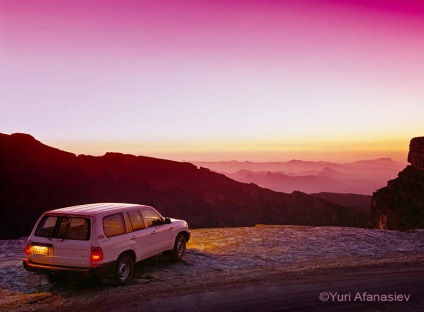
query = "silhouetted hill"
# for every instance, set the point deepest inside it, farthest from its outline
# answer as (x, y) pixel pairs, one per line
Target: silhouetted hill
(35, 178)
(361, 202)
(400, 205)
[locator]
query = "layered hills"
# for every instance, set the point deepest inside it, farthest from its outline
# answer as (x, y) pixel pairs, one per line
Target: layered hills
(359, 177)
(400, 204)
(36, 177)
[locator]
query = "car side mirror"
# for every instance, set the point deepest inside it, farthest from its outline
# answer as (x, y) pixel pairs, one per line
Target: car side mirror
(167, 220)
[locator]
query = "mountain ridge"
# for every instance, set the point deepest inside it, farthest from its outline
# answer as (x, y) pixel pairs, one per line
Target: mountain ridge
(36, 177)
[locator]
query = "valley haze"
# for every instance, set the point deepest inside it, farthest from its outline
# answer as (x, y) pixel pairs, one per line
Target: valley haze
(359, 177)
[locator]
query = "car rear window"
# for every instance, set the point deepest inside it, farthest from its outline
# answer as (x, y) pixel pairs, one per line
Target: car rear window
(46, 227)
(73, 228)
(64, 227)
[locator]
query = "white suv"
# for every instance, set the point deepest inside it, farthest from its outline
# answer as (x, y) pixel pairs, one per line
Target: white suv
(104, 238)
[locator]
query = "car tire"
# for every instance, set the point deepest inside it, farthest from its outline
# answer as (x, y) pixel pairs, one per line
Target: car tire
(123, 270)
(177, 254)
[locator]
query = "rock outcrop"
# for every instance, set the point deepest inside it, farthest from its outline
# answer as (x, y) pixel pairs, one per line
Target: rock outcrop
(400, 205)
(35, 178)
(416, 153)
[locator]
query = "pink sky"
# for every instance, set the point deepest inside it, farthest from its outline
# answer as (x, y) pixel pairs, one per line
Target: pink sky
(257, 80)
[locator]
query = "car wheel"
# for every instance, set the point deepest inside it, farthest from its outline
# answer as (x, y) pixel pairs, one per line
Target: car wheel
(178, 252)
(123, 270)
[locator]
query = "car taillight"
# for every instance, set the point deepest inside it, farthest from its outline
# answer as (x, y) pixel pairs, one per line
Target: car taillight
(27, 249)
(96, 254)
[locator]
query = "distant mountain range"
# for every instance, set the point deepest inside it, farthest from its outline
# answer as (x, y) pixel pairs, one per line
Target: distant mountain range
(36, 177)
(360, 177)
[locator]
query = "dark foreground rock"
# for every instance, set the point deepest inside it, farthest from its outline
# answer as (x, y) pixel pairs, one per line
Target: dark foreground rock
(400, 205)
(416, 152)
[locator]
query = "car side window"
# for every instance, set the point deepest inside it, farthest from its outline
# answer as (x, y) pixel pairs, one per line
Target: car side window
(114, 225)
(136, 219)
(152, 218)
(128, 222)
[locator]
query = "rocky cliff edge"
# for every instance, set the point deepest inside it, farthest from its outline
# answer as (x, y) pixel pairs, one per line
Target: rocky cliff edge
(400, 205)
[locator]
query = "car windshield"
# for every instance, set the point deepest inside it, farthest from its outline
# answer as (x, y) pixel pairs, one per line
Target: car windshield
(74, 228)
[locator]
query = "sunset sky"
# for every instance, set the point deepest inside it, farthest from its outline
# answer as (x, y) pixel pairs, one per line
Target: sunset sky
(253, 80)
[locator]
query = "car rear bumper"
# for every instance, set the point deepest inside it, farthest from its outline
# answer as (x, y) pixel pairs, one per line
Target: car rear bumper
(102, 269)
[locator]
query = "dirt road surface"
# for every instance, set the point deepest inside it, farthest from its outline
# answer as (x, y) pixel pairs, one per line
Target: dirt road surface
(268, 268)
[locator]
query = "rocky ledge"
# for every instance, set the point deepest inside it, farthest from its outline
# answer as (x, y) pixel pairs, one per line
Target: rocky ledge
(400, 205)
(416, 153)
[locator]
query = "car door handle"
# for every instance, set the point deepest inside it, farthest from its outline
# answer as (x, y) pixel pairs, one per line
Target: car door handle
(153, 232)
(133, 238)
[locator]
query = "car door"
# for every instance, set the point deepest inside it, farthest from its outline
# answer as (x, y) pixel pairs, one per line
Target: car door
(160, 233)
(139, 235)
(116, 238)
(72, 244)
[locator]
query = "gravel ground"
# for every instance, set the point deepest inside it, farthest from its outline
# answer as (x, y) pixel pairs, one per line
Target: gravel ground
(227, 256)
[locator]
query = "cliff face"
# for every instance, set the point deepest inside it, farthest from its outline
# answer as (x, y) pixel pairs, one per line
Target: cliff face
(416, 153)
(400, 205)
(35, 178)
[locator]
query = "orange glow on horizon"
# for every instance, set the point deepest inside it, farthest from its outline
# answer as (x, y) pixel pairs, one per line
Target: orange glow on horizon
(255, 150)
